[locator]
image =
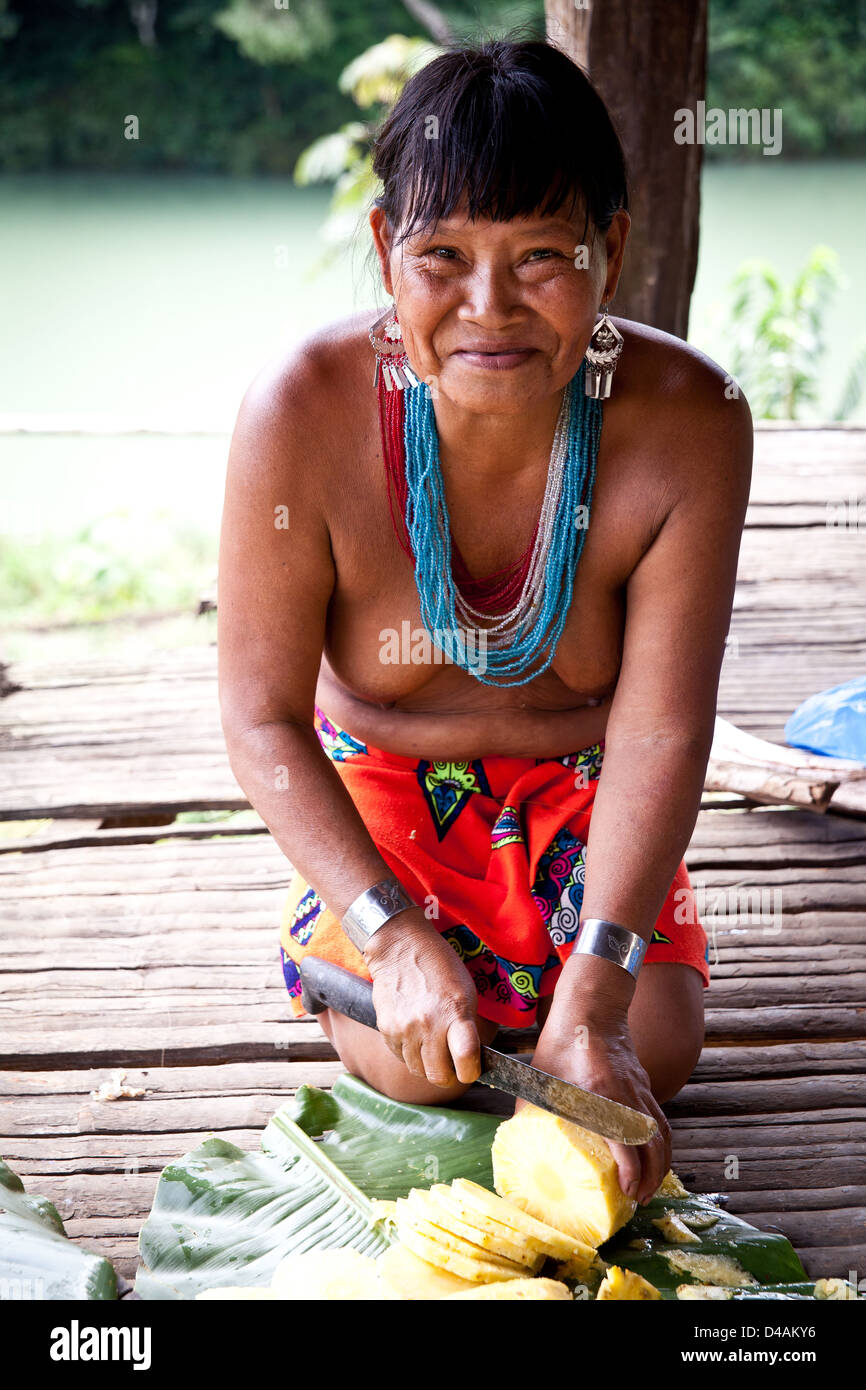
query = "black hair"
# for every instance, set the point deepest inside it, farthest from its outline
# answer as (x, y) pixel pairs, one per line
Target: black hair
(519, 128)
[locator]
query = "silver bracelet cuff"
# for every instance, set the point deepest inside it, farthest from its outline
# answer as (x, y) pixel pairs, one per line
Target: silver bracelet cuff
(609, 940)
(373, 908)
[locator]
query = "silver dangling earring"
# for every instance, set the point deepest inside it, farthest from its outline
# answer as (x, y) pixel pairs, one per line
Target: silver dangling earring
(392, 364)
(602, 355)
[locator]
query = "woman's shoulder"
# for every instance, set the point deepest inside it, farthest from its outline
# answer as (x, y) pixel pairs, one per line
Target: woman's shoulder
(321, 370)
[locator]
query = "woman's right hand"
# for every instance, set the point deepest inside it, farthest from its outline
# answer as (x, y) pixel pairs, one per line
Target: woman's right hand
(426, 1004)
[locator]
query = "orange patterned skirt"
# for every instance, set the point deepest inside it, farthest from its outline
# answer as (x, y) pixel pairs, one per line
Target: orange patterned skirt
(495, 851)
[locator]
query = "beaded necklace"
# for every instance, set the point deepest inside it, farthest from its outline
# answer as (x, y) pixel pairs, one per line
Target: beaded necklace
(502, 648)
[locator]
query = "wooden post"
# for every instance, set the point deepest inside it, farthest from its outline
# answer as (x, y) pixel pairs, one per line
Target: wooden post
(647, 62)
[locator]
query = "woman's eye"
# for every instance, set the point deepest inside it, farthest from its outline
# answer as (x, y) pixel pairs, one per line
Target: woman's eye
(442, 253)
(544, 251)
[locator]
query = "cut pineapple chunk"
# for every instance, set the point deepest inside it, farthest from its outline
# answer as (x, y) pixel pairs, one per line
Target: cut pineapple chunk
(478, 1271)
(699, 1220)
(834, 1288)
(329, 1274)
(675, 1230)
(625, 1285)
(433, 1208)
(671, 1186)
(711, 1292)
(234, 1292)
(409, 1277)
(547, 1289)
(709, 1269)
(547, 1238)
(560, 1173)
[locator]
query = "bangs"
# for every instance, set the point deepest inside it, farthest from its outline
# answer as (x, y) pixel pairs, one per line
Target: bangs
(502, 132)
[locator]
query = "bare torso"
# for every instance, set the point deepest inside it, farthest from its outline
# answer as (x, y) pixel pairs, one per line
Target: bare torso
(440, 710)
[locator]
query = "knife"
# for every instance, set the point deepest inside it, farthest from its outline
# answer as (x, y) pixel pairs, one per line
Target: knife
(329, 986)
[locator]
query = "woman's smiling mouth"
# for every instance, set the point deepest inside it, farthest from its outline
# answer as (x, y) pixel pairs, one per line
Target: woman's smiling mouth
(497, 358)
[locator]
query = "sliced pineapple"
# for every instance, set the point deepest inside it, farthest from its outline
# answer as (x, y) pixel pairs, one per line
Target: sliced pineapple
(709, 1269)
(235, 1293)
(411, 1219)
(433, 1208)
(561, 1174)
(547, 1289)
(329, 1274)
(409, 1277)
(625, 1285)
(710, 1292)
(551, 1241)
(671, 1186)
(478, 1271)
(674, 1229)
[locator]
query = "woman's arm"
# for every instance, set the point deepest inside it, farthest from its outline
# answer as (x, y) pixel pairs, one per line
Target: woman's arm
(276, 577)
(657, 744)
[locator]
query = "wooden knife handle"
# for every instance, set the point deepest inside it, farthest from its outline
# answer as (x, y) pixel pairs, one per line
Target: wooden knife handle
(328, 986)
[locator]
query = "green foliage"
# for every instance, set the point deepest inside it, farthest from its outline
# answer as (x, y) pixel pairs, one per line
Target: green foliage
(269, 34)
(115, 565)
(807, 57)
(777, 336)
(243, 87)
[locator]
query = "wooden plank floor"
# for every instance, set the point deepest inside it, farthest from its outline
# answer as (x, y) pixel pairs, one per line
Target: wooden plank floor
(160, 958)
(152, 948)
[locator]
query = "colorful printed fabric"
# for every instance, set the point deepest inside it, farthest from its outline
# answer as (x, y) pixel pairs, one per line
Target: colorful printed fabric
(495, 851)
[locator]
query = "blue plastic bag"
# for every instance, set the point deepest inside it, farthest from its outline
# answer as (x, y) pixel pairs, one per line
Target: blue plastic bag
(832, 722)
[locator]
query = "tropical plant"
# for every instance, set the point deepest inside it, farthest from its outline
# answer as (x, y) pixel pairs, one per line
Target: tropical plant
(374, 80)
(777, 332)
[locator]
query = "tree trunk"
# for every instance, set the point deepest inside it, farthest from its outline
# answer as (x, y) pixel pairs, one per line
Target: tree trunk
(647, 62)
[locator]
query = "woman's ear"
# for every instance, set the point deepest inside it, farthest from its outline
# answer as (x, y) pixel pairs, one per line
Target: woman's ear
(382, 240)
(616, 237)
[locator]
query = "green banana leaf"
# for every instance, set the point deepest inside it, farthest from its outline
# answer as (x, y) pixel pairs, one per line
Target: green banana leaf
(37, 1258)
(222, 1216)
(766, 1256)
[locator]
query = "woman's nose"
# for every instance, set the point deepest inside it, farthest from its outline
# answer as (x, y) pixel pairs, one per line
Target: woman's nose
(490, 297)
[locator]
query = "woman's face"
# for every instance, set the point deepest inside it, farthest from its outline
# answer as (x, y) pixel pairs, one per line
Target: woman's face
(497, 315)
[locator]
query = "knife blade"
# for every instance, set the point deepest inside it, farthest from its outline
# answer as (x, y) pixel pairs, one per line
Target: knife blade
(328, 986)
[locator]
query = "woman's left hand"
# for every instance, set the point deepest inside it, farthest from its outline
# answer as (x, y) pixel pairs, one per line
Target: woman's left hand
(597, 1053)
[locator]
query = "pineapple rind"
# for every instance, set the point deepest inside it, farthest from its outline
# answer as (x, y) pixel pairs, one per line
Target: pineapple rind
(674, 1229)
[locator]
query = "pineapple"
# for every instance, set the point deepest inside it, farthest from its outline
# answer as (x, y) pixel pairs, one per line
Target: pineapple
(671, 1186)
(713, 1293)
(480, 1204)
(329, 1274)
(675, 1230)
(410, 1218)
(547, 1289)
(477, 1270)
(435, 1209)
(409, 1277)
(561, 1174)
(626, 1286)
(709, 1269)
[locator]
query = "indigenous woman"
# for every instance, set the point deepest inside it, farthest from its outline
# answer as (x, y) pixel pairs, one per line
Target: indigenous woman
(474, 592)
